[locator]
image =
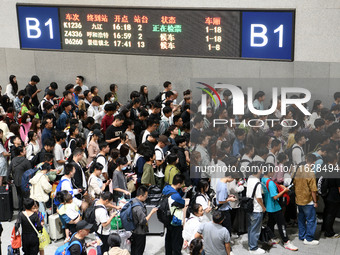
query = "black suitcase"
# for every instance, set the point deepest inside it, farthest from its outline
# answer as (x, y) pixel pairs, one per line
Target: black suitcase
(6, 208)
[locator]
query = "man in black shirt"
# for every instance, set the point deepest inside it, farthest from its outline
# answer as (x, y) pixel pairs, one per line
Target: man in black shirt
(151, 140)
(32, 90)
(113, 132)
(83, 229)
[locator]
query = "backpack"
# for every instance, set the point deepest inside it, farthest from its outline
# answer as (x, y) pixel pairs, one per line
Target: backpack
(93, 162)
(29, 174)
(58, 189)
(35, 160)
(158, 98)
(323, 186)
(192, 202)
(285, 196)
(68, 150)
(64, 249)
(289, 152)
(163, 213)
(90, 216)
(247, 203)
(126, 215)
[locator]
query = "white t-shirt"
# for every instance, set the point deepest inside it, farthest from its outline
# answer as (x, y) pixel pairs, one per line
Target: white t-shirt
(58, 155)
(159, 153)
(145, 135)
(203, 201)
(102, 217)
(258, 194)
(102, 160)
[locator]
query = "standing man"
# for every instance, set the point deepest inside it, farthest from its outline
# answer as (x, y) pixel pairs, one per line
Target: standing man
(83, 230)
(112, 135)
(32, 90)
(306, 200)
(80, 83)
(140, 219)
(255, 218)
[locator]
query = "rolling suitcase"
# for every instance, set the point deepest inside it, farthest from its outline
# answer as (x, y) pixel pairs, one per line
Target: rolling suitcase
(6, 209)
(55, 227)
(155, 226)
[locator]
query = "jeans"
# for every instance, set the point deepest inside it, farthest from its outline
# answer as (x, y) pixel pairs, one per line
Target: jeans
(254, 229)
(307, 222)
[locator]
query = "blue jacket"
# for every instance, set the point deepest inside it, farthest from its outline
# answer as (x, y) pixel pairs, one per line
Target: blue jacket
(61, 122)
(46, 133)
(179, 201)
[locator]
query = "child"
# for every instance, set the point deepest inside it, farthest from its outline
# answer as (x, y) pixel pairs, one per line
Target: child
(42, 222)
(69, 213)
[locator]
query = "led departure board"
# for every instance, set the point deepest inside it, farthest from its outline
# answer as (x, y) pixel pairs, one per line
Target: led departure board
(166, 32)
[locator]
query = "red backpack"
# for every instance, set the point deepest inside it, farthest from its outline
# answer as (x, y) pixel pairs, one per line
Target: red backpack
(285, 196)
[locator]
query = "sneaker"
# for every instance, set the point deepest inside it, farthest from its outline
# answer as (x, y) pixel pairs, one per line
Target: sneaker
(319, 221)
(334, 236)
(258, 251)
(314, 242)
(274, 241)
(290, 246)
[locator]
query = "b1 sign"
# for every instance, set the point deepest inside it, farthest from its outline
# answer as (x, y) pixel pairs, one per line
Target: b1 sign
(39, 27)
(268, 35)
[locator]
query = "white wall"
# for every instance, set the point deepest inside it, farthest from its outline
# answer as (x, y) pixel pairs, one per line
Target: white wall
(317, 52)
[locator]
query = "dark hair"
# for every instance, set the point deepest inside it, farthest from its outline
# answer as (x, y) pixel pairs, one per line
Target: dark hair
(14, 84)
(110, 107)
(259, 94)
(141, 190)
(48, 157)
(68, 169)
(28, 203)
(315, 108)
(114, 240)
(34, 125)
(202, 184)
(134, 94)
(262, 151)
(275, 142)
(69, 86)
(195, 208)
(166, 84)
(61, 196)
(239, 132)
(218, 217)
(331, 157)
(178, 179)
(171, 159)
(86, 93)
(148, 154)
(30, 136)
(22, 93)
(167, 110)
(143, 113)
(319, 123)
(180, 139)
(18, 150)
(119, 117)
(49, 142)
(106, 195)
(310, 158)
(54, 85)
(121, 161)
(60, 136)
(113, 86)
(97, 99)
(196, 246)
(336, 95)
(78, 89)
(80, 77)
(298, 136)
(136, 101)
(141, 90)
(77, 151)
(281, 157)
(26, 102)
(102, 145)
(35, 78)
(248, 148)
(46, 166)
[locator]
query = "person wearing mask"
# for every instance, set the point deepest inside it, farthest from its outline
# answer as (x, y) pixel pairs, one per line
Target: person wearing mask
(103, 219)
(25, 127)
(192, 224)
(30, 224)
(216, 237)
(173, 238)
(140, 219)
(119, 182)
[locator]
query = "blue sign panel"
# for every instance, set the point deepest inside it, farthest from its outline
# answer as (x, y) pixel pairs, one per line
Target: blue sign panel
(267, 35)
(39, 27)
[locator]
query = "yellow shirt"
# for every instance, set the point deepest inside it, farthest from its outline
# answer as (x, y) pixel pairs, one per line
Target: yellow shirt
(170, 172)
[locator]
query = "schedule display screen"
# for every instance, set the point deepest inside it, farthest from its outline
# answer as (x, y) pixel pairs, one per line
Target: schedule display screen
(165, 32)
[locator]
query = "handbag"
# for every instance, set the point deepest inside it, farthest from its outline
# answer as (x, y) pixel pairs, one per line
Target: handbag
(266, 234)
(116, 223)
(247, 203)
(44, 240)
(15, 239)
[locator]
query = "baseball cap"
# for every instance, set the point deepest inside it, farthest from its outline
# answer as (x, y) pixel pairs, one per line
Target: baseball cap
(83, 225)
(97, 132)
(163, 139)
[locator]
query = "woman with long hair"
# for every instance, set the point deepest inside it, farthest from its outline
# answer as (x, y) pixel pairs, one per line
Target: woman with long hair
(3, 159)
(36, 127)
(144, 95)
(12, 87)
(32, 147)
(316, 113)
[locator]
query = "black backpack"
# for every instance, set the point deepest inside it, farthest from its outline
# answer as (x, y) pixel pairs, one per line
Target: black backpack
(163, 213)
(247, 203)
(90, 216)
(192, 202)
(289, 152)
(158, 98)
(323, 186)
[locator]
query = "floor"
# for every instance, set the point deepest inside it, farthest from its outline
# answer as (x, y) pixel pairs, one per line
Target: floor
(155, 244)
